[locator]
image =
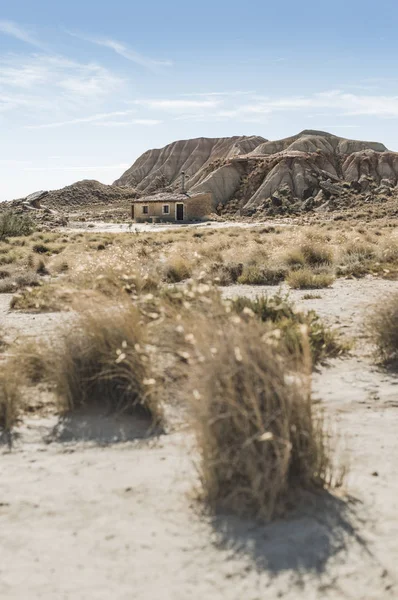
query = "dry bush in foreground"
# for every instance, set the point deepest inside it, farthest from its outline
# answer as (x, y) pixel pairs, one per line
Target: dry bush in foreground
(102, 361)
(261, 442)
(10, 397)
(383, 329)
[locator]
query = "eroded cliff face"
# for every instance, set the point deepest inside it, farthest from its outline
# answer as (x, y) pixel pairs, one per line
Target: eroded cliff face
(251, 174)
(161, 168)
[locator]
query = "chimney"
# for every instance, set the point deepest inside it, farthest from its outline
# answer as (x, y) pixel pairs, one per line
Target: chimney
(183, 182)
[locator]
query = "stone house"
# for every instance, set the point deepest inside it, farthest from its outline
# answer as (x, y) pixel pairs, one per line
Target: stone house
(172, 207)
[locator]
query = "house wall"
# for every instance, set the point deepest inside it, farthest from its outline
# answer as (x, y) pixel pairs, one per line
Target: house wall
(197, 207)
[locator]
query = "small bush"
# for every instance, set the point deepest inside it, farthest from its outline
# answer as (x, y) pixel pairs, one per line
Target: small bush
(294, 258)
(103, 361)
(177, 269)
(260, 439)
(315, 254)
(8, 259)
(41, 249)
(12, 225)
(293, 327)
(305, 279)
(41, 268)
(255, 275)
(8, 285)
(10, 399)
(383, 329)
(226, 273)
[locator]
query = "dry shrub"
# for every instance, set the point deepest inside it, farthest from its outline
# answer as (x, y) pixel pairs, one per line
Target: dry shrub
(294, 258)
(293, 328)
(10, 398)
(257, 275)
(226, 273)
(33, 359)
(261, 441)
(315, 254)
(306, 279)
(177, 269)
(103, 361)
(383, 329)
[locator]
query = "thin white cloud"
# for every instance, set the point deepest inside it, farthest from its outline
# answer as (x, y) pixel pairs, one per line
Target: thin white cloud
(20, 33)
(80, 120)
(123, 50)
(173, 105)
(335, 100)
(226, 93)
(144, 122)
(38, 85)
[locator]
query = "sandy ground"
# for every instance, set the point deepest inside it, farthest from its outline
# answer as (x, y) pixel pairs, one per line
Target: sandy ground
(106, 227)
(95, 509)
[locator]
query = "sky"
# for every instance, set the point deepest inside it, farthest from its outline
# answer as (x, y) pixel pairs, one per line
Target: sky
(87, 86)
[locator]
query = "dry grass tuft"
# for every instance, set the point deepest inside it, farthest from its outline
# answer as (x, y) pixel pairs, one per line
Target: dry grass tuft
(292, 328)
(257, 275)
(10, 398)
(103, 361)
(306, 279)
(383, 329)
(177, 269)
(261, 442)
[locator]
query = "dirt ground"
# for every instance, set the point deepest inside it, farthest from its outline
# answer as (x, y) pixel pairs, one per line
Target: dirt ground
(95, 509)
(106, 227)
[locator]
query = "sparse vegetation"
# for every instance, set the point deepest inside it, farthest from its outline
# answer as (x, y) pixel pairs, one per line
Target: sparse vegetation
(10, 399)
(305, 279)
(383, 329)
(103, 361)
(291, 328)
(12, 225)
(260, 439)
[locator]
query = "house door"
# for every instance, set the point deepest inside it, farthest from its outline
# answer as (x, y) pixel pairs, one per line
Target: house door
(179, 212)
(132, 211)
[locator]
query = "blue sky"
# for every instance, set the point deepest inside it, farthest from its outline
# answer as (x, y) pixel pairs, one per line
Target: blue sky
(87, 86)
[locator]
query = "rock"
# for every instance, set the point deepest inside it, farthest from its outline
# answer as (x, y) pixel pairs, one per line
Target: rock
(35, 198)
(324, 207)
(387, 183)
(191, 156)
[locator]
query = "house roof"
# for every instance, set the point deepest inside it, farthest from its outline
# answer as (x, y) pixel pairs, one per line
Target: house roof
(163, 197)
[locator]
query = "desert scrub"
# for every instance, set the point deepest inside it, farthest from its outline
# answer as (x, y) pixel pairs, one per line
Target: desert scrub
(10, 399)
(261, 440)
(257, 275)
(177, 269)
(12, 225)
(306, 279)
(293, 327)
(383, 329)
(48, 297)
(103, 361)
(315, 254)
(225, 273)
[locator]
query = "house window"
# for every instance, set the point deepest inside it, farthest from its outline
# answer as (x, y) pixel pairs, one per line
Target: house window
(166, 209)
(145, 210)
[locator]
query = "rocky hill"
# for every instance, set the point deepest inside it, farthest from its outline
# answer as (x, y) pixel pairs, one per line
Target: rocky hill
(84, 200)
(160, 168)
(87, 193)
(313, 169)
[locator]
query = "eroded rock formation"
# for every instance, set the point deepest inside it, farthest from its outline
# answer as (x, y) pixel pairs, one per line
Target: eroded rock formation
(301, 172)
